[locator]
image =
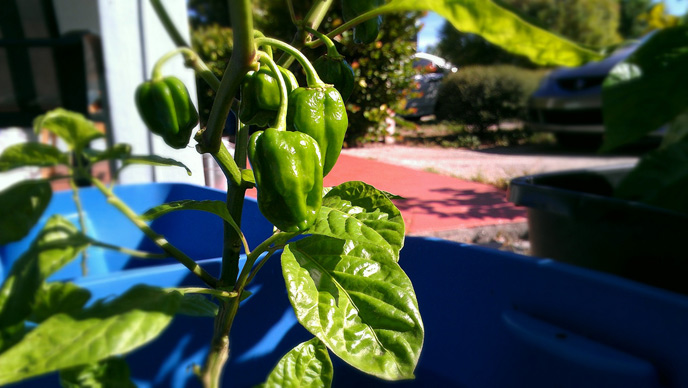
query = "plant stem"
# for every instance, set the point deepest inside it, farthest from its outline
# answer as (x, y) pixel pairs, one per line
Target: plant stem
(312, 19)
(241, 61)
(128, 251)
(312, 78)
(358, 20)
(331, 49)
(156, 238)
(281, 119)
(82, 221)
(167, 23)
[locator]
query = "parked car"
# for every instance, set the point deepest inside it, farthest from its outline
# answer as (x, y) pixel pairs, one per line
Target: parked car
(430, 70)
(568, 101)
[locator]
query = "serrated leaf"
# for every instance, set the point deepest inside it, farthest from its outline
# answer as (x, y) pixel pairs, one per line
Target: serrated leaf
(21, 206)
(118, 151)
(72, 127)
(503, 28)
(153, 160)
(100, 332)
(308, 365)
(31, 154)
(659, 179)
(642, 93)
(196, 305)
(351, 204)
(357, 300)
(58, 243)
(57, 297)
(113, 372)
(218, 208)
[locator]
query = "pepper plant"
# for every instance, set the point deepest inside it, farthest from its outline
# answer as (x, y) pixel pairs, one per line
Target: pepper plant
(339, 246)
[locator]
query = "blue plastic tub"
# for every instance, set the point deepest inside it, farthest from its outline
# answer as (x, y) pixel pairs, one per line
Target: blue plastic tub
(492, 319)
(197, 233)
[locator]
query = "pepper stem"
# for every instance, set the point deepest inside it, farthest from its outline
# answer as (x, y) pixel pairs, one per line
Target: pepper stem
(312, 78)
(331, 49)
(157, 68)
(281, 120)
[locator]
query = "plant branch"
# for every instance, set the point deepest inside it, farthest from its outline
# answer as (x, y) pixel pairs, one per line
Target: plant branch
(311, 75)
(128, 251)
(168, 24)
(155, 237)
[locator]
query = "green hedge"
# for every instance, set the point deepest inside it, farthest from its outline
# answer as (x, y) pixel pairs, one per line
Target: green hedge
(482, 96)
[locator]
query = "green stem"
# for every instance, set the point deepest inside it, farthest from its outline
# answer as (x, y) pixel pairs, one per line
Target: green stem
(207, 291)
(167, 24)
(242, 60)
(82, 218)
(358, 20)
(312, 19)
(331, 48)
(129, 252)
(281, 119)
(228, 165)
(151, 234)
(312, 78)
(274, 242)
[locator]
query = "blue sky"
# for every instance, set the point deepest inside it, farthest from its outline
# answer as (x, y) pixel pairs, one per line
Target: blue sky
(433, 23)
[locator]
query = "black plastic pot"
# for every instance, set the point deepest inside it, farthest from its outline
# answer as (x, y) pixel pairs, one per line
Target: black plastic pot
(572, 217)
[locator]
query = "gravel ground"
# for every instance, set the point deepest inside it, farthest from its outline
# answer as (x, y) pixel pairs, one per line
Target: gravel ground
(493, 166)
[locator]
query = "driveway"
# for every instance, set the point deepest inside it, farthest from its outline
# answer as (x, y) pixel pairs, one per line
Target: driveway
(495, 165)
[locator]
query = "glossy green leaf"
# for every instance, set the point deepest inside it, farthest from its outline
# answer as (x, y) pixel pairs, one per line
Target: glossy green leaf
(647, 90)
(308, 365)
(58, 243)
(31, 154)
(72, 127)
(659, 179)
(359, 212)
(196, 305)
(153, 160)
(110, 373)
(107, 329)
(503, 28)
(21, 206)
(116, 152)
(218, 208)
(357, 300)
(56, 297)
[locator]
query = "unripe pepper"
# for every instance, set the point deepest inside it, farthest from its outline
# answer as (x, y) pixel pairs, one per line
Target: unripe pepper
(320, 113)
(260, 95)
(367, 31)
(333, 68)
(288, 170)
(166, 108)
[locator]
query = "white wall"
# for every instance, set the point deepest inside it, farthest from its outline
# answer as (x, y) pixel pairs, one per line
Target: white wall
(133, 39)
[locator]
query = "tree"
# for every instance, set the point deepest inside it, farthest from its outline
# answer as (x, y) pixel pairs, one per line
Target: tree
(630, 26)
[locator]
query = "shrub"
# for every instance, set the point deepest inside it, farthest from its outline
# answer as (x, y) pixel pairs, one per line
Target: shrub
(482, 96)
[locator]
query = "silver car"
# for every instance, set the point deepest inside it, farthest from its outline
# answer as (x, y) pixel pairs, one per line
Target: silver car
(431, 69)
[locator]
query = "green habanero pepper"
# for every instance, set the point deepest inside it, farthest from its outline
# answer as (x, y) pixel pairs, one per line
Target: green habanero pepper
(320, 113)
(165, 106)
(367, 31)
(260, 96)
(332, 68)
(287, 167)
